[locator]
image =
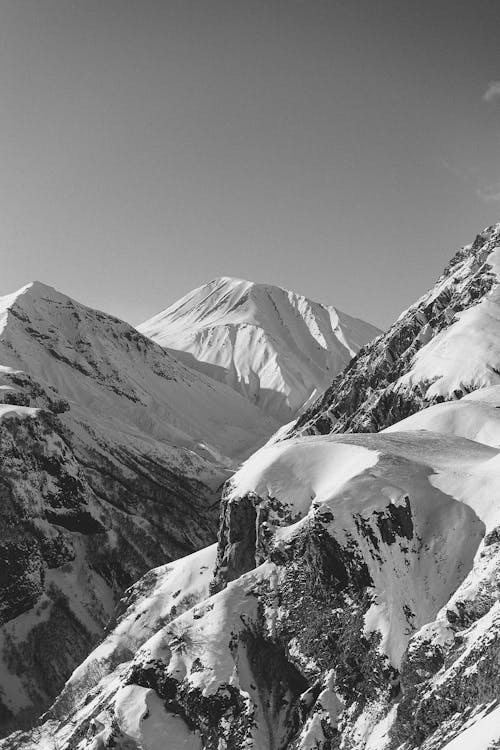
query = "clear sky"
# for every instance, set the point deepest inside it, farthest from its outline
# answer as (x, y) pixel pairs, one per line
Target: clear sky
(344, 149)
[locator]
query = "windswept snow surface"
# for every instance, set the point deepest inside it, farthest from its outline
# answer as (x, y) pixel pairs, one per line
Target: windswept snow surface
(476, 417)
(481, 733)
(276, 347)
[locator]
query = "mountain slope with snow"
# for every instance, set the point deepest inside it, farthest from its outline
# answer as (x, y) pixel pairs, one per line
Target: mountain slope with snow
(354, 600)
(444, 346)
(277, 348)
(112, 452)
(354, 605)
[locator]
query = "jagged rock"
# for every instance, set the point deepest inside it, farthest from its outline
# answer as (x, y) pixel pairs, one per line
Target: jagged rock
(402, 371)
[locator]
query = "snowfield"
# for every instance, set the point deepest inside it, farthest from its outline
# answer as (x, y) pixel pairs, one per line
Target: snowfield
(476, 417)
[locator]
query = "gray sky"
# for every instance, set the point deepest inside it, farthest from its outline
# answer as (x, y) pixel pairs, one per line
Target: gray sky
(344, 149)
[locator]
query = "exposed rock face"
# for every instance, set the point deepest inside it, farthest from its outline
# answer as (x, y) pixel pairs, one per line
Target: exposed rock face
(111, 455)
(69, 547)
(360, 611)
(402, 371)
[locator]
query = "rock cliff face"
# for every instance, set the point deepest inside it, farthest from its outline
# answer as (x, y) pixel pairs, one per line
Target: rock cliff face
(111, 455)
(277, 348)
(353, 604)
(442, 347)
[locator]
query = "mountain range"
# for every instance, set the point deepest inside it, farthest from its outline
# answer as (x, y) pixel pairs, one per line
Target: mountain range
(112, 454)
(352, 598)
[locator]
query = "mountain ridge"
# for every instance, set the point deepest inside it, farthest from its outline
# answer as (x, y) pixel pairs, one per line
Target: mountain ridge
(274, 346)
(405, 369)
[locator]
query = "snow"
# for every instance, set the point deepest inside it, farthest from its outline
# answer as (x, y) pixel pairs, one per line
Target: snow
(9, 410)
(204, 632)
(451, 485)
(164, 592)
(141, 716)
(301, 471)
(475, 332)
(124, 385)
(476, 417)
(277, 348)
(481, 733)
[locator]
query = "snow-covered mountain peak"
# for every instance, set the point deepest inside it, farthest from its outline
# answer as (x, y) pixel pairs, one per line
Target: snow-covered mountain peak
(274, 346)
(32, 291)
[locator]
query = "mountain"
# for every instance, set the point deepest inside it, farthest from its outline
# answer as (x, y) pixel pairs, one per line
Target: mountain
(353, 598)
(353, 604)
(444, 346)
(277, 348)
(112, 452)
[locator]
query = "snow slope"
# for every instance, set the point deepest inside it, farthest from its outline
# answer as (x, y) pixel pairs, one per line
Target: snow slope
(355, 601)
(476, 417)
(276, 347)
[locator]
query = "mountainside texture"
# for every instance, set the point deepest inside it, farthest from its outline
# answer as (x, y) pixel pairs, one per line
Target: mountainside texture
(112, 452)
(277, 348)
(442, 347)
(354, 604)
(352, 601)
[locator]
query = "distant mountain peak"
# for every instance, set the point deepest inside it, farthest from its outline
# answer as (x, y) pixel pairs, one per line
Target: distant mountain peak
(278, 348)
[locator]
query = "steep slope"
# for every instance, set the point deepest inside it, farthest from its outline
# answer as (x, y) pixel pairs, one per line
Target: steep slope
(354, 606)
(444, 346)
(112, 452)
(277, 348)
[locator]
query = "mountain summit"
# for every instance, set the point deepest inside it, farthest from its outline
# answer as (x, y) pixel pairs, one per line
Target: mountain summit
(276, 347)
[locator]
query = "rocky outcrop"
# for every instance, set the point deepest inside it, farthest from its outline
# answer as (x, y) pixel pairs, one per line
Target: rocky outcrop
(376, 388)
(73, 536)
